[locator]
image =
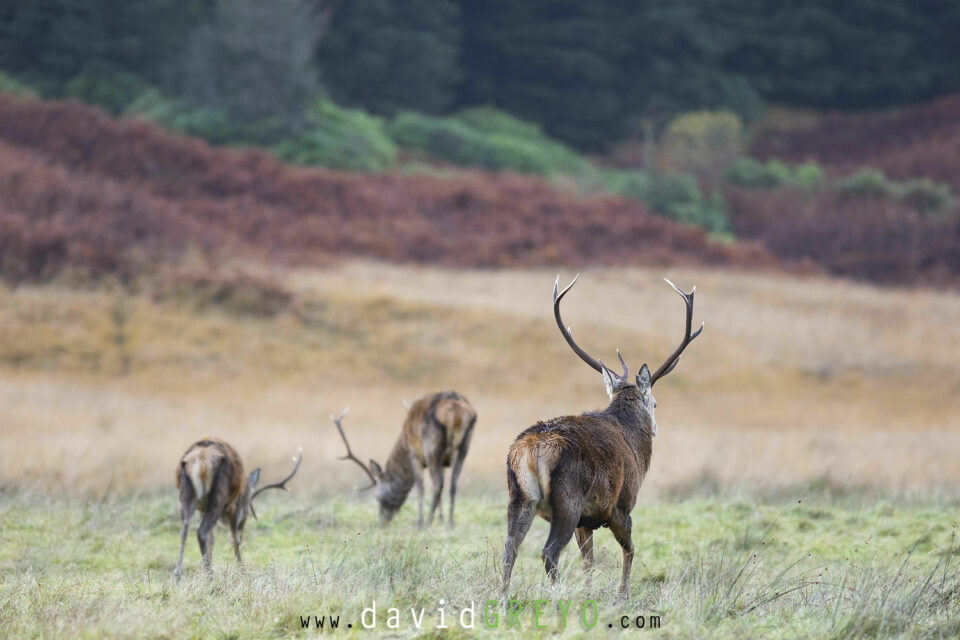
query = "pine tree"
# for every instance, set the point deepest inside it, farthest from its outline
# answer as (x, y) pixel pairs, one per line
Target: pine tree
(553, 61)
(387, 55)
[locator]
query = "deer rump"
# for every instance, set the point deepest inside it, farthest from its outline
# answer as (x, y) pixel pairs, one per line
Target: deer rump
(442, 420)
(576, 463)
(212, 464)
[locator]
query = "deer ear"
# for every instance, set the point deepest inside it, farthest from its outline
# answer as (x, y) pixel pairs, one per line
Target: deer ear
(608, 381)
(643, 378)
(253, 478)
(376, 470)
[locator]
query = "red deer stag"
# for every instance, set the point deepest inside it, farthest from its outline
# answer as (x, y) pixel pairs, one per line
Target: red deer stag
(210, 477)
(436, 434)
(583, 472)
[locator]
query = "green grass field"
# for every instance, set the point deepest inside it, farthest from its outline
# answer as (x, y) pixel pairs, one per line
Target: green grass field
(798, 564)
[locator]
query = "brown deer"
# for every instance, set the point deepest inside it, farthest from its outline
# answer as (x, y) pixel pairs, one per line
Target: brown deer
(583, 472)
(436, 434)
(210, 477)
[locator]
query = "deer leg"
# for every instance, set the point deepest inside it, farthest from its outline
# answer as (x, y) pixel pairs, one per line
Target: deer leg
(205, 537)
(436, 477)
(621, 525)
(562, 527)
(237, 534)
(520, 514)
(585, 542)
(566, 505)
(418, 483)
(459, 454)
(455, 467)
(188, 506)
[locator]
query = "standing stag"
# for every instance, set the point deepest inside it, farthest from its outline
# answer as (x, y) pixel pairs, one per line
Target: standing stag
(436, 434)
(210, 477)
(583, 472)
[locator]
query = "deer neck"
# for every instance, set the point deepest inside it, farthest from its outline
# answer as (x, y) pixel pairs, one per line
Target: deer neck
(628, 410)
(398, 474)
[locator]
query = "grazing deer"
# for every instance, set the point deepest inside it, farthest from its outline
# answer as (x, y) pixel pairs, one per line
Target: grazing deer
(436, 434)
(583, 472)
(210, 477)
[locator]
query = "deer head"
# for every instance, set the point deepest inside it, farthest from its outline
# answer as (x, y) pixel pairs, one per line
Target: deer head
(644, 380)
(382, 482)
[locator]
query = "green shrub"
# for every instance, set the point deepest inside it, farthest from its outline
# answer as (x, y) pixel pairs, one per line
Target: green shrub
(456, 142)
(213, 125)
(341, 138)
(702, 143)
(629, 184)
(492, 120)
(925, 194)
(674, 196)
(508, 129)
(754, 174)
(109, 88)
(865, 182)
(808, 175)
(666, 192)
(709, 213)
(487, 138)
(9, 84)
(921, 193)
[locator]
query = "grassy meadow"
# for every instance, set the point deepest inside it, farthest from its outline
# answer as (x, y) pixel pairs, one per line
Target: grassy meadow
(804, 479)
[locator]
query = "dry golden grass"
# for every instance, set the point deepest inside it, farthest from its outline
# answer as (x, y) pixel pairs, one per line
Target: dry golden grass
(792, 379)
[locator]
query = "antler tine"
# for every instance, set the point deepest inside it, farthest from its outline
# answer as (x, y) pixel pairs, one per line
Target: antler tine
(350, 456)
(565, 330)
(674, 358)
(283, 483)
(622, 364)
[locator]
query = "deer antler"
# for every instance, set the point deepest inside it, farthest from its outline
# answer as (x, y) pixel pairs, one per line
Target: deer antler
(350, 456)
(283, 483)
(674, 358)
(278, 485)
(565, 330)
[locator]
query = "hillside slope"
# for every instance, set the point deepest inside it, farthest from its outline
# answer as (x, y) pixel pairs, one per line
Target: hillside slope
(921, 141)
(860, 232)
(79, 189)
